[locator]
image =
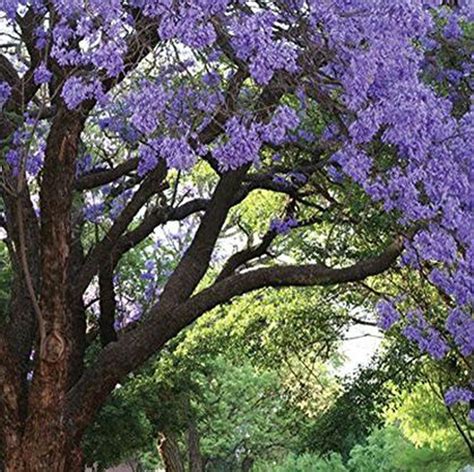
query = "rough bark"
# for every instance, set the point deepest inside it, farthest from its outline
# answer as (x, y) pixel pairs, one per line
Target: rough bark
(44, 444)
(195, 459)
(169, 452)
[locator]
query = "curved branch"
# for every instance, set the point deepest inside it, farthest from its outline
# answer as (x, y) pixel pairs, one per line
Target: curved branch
(137, 345)
(96, 179)
(150, 186)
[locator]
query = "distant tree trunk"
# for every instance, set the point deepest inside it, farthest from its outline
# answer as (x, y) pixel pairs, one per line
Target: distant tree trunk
(247, 464)
(170, 454)
(196, 463)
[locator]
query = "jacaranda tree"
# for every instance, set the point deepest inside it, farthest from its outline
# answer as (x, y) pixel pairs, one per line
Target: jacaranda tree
(111, 111)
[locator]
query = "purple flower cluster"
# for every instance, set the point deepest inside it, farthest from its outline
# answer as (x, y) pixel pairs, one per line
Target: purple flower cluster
(149, 102)
(426, 336)
(76, 90)
(283, 226)
(429, 181)
(118, 203)
(150, 271)
(354, 162)
(42, 75)
(148, 156)
(461, 327)
(254, 42)
(94, 212)
(242, 145)
(13, 158)
(5, 91)
(178, 153)
(284, 119)
(456, 395)
(388, 315)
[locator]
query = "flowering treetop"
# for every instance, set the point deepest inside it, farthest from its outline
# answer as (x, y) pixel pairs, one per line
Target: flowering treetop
(115, 100)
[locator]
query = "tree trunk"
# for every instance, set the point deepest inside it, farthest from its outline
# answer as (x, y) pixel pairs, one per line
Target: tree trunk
(50, 451)
(47, 454)
(170, 454)
(194, 451)
(247, 464)
(42, 440)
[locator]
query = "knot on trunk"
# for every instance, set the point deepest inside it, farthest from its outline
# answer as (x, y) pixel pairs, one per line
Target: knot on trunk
(53, 347)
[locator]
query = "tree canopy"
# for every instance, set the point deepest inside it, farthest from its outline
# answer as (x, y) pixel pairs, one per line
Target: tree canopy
(161, 158)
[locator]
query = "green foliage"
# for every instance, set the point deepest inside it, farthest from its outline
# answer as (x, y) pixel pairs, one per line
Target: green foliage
(304, 463)
(121, 429)
(360, 408)
(250, 375)
(241, 413)
(423, 419)
(256, 211)
(379, 454)
(387, 450)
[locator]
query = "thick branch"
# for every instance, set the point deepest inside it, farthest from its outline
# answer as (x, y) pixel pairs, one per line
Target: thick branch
(135, 346)
(96, 179)
(150, 186)
(107, 304)
(195, 261)
(244, 256)
(153, 220)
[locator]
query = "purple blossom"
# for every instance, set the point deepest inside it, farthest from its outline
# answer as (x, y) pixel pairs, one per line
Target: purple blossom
(94, 212)
(148, 103)
(456, 395)
(280, 180)
(5, 91)
(254, 41)
(150, 270)
(110, 57)
(242, 146)
(283, 226)
(354, 162)
(76, 90)
(284, 119)
(452, 29)
(435, 244)
(83, 164)
(211, 79)
(178, 153)
(388, 315)
(41, 38)
(426, 336)
(42, 75)
(335, 174)
(118, 204)
(298, 178)
(34, 162)
(461, 327)
(148, 157)
(13, 158)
